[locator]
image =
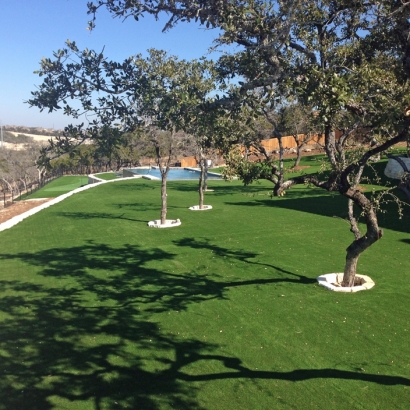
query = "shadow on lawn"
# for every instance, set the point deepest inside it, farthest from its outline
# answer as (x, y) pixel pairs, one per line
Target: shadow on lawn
(96, 215)
(219, 188)
(330, 206)
(245, 257)
(132, 208)
(84, 332)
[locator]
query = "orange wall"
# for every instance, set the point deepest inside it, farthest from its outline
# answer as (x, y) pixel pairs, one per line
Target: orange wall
(270, 145)
(289, 142)
(188, 162)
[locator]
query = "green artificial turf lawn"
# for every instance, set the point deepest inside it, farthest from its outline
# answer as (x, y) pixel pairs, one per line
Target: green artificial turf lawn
(98, 311)
(107, 176)
(59, 187)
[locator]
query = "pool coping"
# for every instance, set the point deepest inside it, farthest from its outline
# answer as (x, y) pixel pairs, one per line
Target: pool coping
(128, 173)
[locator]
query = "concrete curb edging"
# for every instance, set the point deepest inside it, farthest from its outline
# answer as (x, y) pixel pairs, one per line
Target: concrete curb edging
(18, 218)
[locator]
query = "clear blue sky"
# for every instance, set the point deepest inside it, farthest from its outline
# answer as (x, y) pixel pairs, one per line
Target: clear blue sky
(32, 29)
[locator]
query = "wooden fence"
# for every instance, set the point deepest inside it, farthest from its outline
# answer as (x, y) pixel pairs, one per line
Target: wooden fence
(272, 144)
(289, 142)
(8, 196)
(188, 162)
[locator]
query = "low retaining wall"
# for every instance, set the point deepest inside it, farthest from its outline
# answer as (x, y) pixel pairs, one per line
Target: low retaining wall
(126, 173)
(92, 179)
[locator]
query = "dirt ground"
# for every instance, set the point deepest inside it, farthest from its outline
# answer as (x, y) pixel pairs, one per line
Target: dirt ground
(19, 207)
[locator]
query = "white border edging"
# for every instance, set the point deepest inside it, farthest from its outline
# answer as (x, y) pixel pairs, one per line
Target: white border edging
(197, 208)
(331, 281)
(169, 223)
(18, 218)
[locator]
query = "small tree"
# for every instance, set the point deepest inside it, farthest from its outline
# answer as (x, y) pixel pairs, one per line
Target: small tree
(204, 128)
(157, 92)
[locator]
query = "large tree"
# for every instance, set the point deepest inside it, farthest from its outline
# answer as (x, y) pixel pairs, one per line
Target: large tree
(350, 60)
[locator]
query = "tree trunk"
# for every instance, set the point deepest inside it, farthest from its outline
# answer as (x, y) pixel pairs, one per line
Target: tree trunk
(278, 189)
(205, 178)
(164, 169)
(164, 197)
(299, 146)
(8, 184)
(330, 146)
(349, 273)
(202, 186)
(281, 165)
(201, 181)
(24, 185)
(298, 156)
(164, 174)
(41, 175)
(359, 245)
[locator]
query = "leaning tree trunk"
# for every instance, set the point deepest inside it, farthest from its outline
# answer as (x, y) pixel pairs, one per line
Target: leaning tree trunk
(298, 155)
(299, 146)
(360, 244)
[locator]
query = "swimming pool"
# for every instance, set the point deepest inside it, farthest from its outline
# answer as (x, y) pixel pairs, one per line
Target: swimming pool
(175, 174)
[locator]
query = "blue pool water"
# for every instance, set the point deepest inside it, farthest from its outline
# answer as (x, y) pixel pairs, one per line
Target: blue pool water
(174, 173)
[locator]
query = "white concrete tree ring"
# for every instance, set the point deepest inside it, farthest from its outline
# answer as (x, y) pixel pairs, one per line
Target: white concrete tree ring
(333, 281)
(197, 208)
(169, 223)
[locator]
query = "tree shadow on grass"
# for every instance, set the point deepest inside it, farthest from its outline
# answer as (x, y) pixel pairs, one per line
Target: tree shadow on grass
(239, 371)
(220, 188)
(81, 330)
(331, 206)
(143, 207)
(96, 215)
(125, 216)
(246, 257)
(325, 205)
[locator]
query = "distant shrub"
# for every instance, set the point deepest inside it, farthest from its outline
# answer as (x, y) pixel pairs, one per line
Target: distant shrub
(19, 139)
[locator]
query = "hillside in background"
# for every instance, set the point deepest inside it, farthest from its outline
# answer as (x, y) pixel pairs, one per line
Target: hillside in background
(16, 137)
(36, 131)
